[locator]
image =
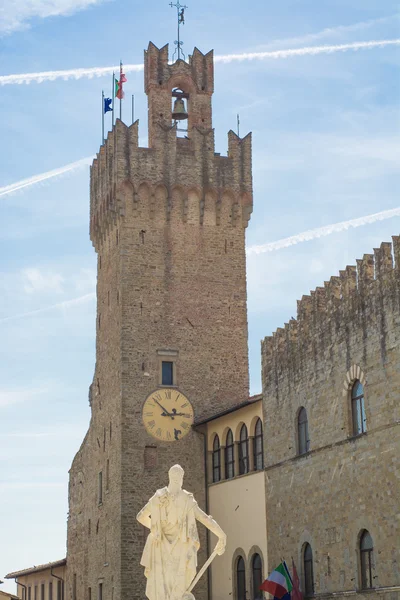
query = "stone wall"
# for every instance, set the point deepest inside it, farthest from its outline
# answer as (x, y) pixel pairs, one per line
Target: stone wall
(349, 330)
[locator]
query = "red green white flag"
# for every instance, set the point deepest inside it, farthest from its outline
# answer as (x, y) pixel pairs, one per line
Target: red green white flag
(279, 582)
(119, 92)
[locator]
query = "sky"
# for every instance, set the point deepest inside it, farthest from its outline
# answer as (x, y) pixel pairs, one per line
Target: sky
(326, 149)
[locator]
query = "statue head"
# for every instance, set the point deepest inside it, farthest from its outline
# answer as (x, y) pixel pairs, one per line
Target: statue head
(176, 474)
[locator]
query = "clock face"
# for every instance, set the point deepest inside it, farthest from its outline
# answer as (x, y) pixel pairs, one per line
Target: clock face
(167, 415)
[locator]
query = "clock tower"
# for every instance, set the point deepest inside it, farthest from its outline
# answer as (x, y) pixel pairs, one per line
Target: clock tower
(168, 224)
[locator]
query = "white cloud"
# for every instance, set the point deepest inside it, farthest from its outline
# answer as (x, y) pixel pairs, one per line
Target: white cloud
(19, 13)
(35, 280)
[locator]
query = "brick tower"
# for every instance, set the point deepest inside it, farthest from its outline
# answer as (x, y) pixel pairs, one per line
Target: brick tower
(168, 225)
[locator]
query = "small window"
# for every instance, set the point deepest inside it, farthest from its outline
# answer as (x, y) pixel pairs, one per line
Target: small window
(108, 474)
(100, 491)
(167, 373)
(229, 456)
(74, 587)
(35, 594)
(256, 567)
(89, 593)
(59, 590)
(258, 446)
(100, 591)
(308, 571)
(367, 560)
(358, 408)
(50, 590)
(240, 580)
(243, 451)
(29, 593)
(216, 460)
(42, 591)
(302, 428)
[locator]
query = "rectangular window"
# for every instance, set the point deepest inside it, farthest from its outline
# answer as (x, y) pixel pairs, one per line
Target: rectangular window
(74, 587)
(89, 593)
(29, 593)
(107, 474)
(100, 487)
(50, 590)
(167, 372)
(42, 592)
(100, 592)
(35, 595)
(59, 591)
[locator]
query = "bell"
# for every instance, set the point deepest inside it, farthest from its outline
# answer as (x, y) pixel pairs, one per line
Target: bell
(179, 113)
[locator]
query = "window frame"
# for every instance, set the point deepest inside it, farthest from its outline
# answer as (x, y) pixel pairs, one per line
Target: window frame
(358, 415)
(216, 460)
(303, 435)
(258, 453)
(229, 449)
(244, 466)
(309, 589)
(100, 488)
(256, 593)
(170, 382)
(240, 561)
(366, 562)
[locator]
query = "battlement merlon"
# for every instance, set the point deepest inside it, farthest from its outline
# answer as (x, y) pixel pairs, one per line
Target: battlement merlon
(377, 276)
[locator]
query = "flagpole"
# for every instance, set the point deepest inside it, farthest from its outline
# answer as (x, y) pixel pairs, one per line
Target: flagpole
(113, 99)
(133, 108)
(120, 80)
(102, 116)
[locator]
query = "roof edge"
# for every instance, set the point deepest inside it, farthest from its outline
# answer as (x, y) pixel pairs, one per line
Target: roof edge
(36, 569)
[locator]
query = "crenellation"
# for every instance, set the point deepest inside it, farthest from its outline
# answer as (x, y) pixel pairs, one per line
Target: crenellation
(342, 297)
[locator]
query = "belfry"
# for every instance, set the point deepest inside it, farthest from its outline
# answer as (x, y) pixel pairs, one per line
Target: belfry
(168, 224)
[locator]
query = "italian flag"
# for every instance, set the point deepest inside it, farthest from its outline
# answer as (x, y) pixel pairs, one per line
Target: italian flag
(279, 582)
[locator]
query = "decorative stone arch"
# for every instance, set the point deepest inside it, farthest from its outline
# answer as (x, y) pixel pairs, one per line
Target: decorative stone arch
(224, 435)
(124, 195)
(192, 206)
(236, 433)
(159, 203)
(177, 203)
(228, 199)
(252, 428)
(355, 373)
(249, 568)
(210, 207)
(239, 553)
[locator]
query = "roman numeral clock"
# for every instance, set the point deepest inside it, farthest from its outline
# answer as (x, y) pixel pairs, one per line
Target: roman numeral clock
(167, 415)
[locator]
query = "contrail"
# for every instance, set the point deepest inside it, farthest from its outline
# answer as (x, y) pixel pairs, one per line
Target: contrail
(313, 234)
(65, 304)
(19, 185)
(27, 78)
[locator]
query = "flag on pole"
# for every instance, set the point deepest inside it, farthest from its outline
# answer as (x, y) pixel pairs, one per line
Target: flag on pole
(296, 593)
(119, 92)
(107, 105)
(279, 582)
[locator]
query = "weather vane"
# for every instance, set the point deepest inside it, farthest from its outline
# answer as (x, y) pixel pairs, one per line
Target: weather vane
(180, 11)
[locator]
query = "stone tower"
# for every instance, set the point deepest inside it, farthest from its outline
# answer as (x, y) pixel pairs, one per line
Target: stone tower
(168, 225)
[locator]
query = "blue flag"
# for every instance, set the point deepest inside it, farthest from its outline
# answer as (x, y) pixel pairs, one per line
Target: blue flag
(107, 105)
(285, 597)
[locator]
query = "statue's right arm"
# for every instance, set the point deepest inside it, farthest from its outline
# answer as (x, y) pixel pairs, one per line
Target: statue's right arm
(144, 516)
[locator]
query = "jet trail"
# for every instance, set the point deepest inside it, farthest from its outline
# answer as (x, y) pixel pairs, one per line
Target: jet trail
(26, 78)
(65, 304)
(313, 234)
(23, 183)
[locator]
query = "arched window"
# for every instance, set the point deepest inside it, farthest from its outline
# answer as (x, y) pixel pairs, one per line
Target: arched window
(308, 571)
(302, 431)
(256, 567)
(358, 409)
(258, 446)
(229, 456)
(367, 559)
(216, 460)
(240, 579)
(243, 451)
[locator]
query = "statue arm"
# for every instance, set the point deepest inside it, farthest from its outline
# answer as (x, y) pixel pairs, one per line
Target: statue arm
(144, 516)
(213, 526)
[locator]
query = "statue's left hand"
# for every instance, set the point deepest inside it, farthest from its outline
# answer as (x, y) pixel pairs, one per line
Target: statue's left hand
(221, 545)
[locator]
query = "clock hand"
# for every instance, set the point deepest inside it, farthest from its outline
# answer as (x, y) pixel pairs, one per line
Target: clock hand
(166, 413)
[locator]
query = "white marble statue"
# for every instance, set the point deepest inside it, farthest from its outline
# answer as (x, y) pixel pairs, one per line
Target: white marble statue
(170, 554)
